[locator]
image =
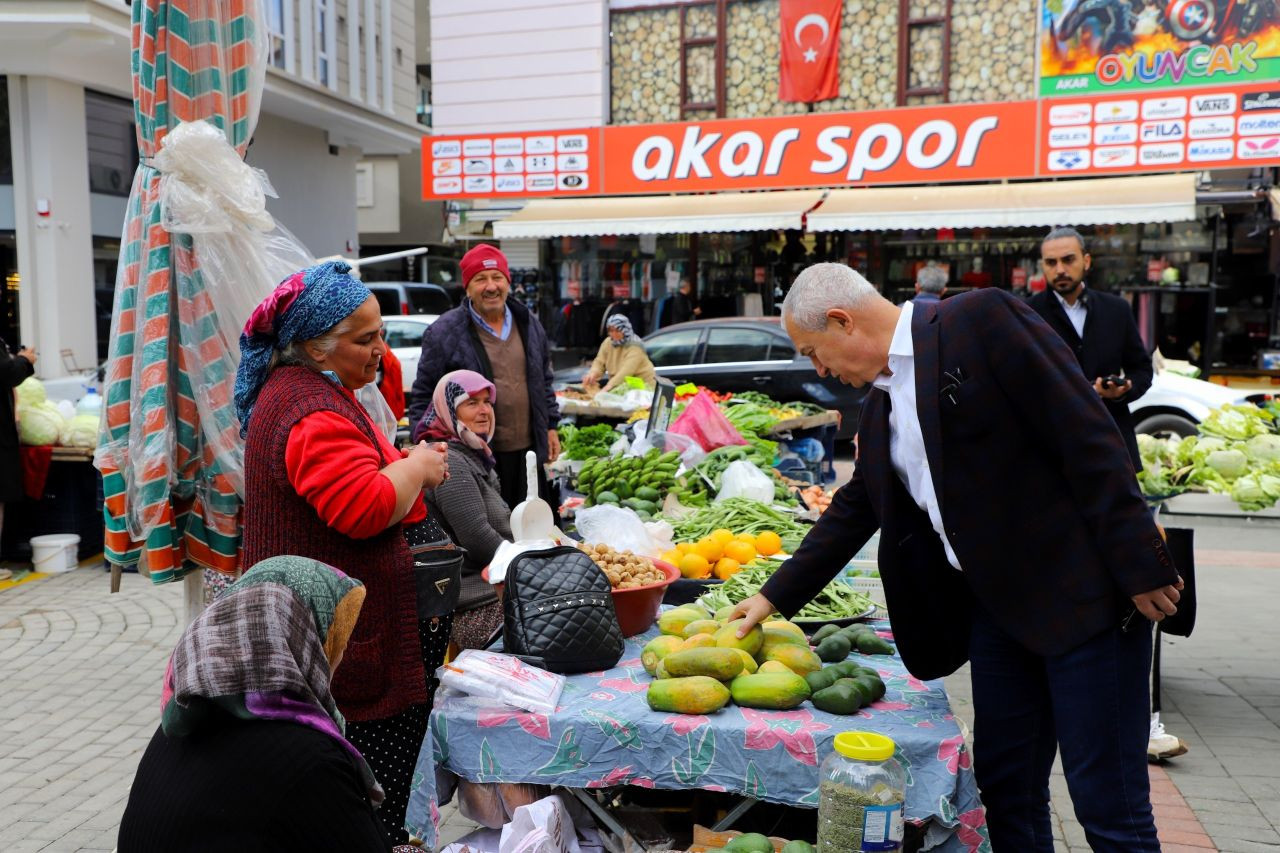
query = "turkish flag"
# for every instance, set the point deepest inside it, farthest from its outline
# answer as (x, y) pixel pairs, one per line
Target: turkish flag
(810, 50)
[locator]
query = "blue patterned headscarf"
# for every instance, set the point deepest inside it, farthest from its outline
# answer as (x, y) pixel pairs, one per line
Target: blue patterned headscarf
(620, 321)
(303, 306)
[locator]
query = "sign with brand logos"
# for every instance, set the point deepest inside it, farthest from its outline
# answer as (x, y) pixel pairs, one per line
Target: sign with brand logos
(1092, 135)
(1097, 46)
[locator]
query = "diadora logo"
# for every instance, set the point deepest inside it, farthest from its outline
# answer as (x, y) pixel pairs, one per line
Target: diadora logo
(1221, 104)
(1159, 155)
(1068, 137)
(1115, 134)
(1114, 158)
(1062, 115)
(1259, 125)
(1158, 108)
(1259, 149)
(446, 148)
(1214, 149)
(1069, 160)
(1115, 111)
(1261, 101)
(1212, 127)
(1163, 131)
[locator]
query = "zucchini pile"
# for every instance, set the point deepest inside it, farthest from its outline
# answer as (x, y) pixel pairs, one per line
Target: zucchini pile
(639, 483)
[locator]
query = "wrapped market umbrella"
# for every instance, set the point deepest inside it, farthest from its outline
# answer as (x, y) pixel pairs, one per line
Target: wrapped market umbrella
(198, 252)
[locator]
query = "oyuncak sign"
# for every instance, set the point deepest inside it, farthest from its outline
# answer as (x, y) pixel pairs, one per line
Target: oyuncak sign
(1099, 46)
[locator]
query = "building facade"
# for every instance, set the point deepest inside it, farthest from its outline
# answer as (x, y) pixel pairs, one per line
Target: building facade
(341, 86)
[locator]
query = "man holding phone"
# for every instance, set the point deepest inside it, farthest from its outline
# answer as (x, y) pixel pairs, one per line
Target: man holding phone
(1099, 328)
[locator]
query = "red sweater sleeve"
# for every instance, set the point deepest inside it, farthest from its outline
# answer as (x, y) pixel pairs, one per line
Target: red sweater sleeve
(333, 468)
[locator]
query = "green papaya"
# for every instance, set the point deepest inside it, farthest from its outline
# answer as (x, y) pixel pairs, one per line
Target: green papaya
(607, 497)
(834, 648)
(824, 632)
(842, 697)
(750, 842)
(870, 644)
(648, 493)
(775, 691)
(820, 680)
(798, 846)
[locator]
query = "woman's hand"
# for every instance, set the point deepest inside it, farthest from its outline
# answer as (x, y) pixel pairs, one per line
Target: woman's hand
(431, 461)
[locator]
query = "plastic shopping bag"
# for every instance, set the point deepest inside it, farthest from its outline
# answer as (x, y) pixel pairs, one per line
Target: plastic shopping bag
(702, 421)
(622, 530)
(742, 479)
(541, 827)
(691, 452)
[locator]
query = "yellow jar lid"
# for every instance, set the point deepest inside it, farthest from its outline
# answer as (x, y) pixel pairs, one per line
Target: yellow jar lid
(864, 746)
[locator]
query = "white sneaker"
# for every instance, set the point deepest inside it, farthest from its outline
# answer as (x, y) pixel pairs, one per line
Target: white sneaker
(1161, 744)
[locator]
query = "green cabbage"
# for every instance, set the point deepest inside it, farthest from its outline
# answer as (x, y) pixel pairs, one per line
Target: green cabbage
(1230, 464)
(1237, 422)
(30, 392)
(1263, 449)
(40, 425)
(81, 431)
(1256, 490)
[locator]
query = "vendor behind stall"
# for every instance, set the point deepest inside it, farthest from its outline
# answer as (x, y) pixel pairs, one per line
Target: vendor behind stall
(321, 481)
(470, 501)
(621, 355)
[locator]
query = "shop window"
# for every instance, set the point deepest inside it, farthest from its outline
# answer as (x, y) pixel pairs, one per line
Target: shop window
(924, 51)
(673, 349)
(702, 60)
(6, 154)
(730, 345)
(112, 143)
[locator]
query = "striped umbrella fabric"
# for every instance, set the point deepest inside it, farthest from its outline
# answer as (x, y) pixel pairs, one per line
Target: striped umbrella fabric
(171, 501)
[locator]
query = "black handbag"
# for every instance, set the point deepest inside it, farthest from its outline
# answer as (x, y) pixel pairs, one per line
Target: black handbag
(437, 568)
(1180, 542)
(558, 609)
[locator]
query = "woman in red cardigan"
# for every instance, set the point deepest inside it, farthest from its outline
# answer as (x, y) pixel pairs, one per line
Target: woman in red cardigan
(321, 481)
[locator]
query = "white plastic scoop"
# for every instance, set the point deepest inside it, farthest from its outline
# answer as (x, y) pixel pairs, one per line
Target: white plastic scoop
(532, 518)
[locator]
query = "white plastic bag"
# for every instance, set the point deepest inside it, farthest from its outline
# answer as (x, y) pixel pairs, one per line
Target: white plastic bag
(691, 453)
(541, 827)
(503, 677)
(379, 412)
(742, 479)
(508, 551)
(618, 527)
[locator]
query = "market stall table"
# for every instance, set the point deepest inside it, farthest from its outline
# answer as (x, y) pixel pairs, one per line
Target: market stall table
(604, 735)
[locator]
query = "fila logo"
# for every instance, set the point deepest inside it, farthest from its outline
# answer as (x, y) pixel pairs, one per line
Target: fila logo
(1221, 104)
(1163, 131)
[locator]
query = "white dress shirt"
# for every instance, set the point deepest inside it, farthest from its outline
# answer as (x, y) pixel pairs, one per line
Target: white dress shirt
(906, 437)
(1075, 313)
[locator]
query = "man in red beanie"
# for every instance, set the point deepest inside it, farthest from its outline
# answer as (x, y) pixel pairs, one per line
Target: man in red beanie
(501, 340)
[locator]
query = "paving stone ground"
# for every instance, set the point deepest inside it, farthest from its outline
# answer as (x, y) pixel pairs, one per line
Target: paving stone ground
(80, 679)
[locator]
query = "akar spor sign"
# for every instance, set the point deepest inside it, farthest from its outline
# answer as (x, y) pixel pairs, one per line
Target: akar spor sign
(964, 142)
(1099, 46)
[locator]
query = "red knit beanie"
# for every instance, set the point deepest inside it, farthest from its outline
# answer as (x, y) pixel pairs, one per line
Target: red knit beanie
(481, 258)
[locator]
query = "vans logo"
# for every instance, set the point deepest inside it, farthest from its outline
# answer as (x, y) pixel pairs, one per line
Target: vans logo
(1214, 149)
(1214, 105)
(1261, 101)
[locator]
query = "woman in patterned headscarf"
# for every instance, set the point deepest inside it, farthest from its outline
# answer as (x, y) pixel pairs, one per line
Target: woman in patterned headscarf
(252, 753)
(621, 355)
(470, 501)
(322, 481)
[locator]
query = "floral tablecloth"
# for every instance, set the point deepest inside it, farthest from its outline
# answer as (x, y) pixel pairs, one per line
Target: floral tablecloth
(604, 734)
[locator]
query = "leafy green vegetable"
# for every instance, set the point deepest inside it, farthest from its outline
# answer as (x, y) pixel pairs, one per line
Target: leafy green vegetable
(1230, 464)
(589, 442)
(1238, 422)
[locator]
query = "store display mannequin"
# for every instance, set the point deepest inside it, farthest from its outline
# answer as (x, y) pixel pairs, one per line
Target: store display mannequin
(976, 277)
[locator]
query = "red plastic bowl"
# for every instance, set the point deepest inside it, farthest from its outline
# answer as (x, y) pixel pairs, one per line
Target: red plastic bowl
(638, 607)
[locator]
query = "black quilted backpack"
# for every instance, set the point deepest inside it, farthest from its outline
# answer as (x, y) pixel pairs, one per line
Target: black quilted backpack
(558, 609)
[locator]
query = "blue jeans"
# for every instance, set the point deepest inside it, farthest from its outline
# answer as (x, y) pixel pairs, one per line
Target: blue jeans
(1092, 702)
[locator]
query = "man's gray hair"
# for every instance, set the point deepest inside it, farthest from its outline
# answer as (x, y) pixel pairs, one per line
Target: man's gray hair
(1066, 231)
(932, 279)
(820, 288)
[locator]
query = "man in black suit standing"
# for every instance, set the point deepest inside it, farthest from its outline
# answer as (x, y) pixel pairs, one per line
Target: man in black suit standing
(1099, 328)
(978, 413)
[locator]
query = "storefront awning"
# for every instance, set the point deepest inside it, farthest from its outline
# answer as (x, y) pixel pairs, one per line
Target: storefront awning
(1101, 201)
(685, 214)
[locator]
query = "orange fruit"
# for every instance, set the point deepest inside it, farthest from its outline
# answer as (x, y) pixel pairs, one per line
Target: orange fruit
(723, 535)
(684, 548)
(709, 549)
(727, 567)
(673, 557)
(768, 543)
(694, 566)
(746, 537)
(740, 551)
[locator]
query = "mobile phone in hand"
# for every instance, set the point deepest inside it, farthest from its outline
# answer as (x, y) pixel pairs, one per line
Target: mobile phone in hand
(1112, 381)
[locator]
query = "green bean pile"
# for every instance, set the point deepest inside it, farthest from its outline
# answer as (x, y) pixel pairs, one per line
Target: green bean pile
(838, 600)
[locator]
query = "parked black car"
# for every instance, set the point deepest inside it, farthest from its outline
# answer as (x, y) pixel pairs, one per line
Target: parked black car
(742, 354)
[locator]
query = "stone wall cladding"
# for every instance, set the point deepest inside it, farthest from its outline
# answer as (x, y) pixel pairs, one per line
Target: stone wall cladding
(992, 58)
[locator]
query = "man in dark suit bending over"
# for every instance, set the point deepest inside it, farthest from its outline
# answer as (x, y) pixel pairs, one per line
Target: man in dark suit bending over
(1098, 327)
(979, 413)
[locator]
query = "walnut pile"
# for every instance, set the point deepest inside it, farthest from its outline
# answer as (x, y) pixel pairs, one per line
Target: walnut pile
(625, 570)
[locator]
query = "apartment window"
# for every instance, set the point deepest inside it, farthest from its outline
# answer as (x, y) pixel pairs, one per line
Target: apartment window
(924, 51)
(702, 60)
(6, 155)
(112, 143)
(279, 23)
(326, 72)
(424, 95)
